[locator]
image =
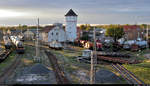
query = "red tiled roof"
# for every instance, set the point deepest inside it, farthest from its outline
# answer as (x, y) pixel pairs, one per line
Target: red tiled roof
(131, 27)
(78, 29)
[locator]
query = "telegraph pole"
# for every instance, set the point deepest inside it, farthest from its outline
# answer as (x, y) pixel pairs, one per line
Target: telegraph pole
(21, 29)
(147, 38)
(93, 60)
(37, 58)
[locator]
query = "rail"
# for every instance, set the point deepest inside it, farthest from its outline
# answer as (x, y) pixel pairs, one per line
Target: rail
(60, 76)
(7, 72)
(127, 75)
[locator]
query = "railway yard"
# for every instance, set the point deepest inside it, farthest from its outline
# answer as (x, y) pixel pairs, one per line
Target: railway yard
(63, 67)
(102, 42)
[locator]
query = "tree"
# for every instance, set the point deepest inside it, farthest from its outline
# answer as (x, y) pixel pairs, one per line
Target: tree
(114, 31)
(85, 36)
(82, 27)
(24, 27)
(85, 27)
(143, 26)
(88, 27)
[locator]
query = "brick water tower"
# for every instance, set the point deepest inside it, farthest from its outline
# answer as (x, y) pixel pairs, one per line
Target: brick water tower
(71, 25)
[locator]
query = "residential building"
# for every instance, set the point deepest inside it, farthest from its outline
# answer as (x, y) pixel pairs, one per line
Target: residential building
(132, 32)
(79, 33)
(29, 35)
(100, 33)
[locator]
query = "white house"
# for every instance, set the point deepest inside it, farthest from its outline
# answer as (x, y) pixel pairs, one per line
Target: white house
(71, 25)
(57, 33)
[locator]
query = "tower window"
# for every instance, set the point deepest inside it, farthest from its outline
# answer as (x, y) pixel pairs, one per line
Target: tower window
(56, 33)
(52, 33)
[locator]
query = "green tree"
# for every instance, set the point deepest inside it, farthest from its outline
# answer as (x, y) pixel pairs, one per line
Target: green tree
(88, 27)
(85, 27)
(85, 36)
(24, 27)
(143, 26)
(114, 31)
(82, 27)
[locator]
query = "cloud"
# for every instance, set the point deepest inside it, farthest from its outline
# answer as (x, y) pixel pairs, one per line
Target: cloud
(91, 11)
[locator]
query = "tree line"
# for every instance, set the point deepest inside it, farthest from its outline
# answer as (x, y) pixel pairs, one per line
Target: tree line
(113, 30)
(19, 27)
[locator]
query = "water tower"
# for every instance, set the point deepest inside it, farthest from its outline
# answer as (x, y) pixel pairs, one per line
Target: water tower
(71, 25)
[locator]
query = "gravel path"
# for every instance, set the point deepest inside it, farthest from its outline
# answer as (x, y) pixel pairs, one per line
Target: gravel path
(106, 77)
(35, 74)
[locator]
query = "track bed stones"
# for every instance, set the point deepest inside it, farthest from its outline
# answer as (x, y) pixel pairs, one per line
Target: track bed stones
(60, 76)
(35, 74)
(83, 77)
(105, 76)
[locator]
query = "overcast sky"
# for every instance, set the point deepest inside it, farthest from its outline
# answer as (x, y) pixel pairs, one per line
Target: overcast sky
(14, 12)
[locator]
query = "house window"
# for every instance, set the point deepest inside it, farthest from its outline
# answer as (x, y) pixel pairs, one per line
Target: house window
(56, 33)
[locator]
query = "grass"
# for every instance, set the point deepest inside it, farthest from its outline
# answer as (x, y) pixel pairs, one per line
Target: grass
(27, 58)
(71, 65)
(142, 70)
(68, 60)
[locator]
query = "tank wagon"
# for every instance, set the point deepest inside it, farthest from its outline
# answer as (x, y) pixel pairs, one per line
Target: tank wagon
(21, 37)
(7, 42)
(19, 44)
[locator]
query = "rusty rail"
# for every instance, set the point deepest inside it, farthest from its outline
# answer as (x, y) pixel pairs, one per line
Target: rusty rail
(60, 76)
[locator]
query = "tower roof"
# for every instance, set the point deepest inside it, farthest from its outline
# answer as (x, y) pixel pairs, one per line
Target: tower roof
(71, 13)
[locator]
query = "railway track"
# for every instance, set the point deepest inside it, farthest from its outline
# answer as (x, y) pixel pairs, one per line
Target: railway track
(127, 75)
(9, 70)
(60, 76)
(113, 59)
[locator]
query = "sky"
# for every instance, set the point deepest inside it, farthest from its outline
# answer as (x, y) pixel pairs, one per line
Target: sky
(15, 12)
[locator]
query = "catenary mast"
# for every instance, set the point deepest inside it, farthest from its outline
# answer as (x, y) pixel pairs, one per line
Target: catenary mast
(93, 60)
(37, 58)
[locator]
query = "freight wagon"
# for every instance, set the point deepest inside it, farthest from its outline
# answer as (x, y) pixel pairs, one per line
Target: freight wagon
(7, 42)
(18, 44)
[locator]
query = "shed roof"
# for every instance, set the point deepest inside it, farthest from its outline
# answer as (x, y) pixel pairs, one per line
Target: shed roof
(47, 29)
(28, 32)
